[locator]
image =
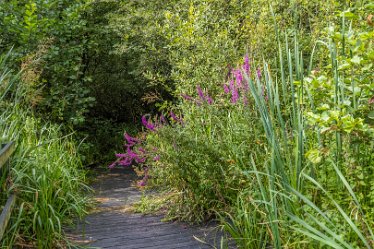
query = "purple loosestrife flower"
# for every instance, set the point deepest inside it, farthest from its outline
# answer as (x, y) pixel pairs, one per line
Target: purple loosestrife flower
(130, 153)
(209, 100)
(226, 88)
(127, 158)
(203, 97)
(174, 117)
(156, 158)
(259, 73)
(239, 78)
(246, 65)
(140, 160)
(142, 183)
(130, 140)
(187, 97)
(235, 96)
(200, 92)
(147, 124)
(231, 85)
(125, 162)
(162, 119)
(234, 92)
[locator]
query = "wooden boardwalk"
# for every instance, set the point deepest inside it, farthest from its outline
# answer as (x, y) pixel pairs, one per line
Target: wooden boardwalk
(113, 226)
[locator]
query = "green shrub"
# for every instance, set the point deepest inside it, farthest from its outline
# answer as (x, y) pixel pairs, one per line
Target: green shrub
(46, 172)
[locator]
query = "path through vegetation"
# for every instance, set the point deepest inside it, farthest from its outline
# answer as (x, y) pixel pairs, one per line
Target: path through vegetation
(112, 225)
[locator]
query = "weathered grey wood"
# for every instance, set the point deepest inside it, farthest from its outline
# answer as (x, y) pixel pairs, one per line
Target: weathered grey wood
(5, 152)
(112, 227)
(5, 214)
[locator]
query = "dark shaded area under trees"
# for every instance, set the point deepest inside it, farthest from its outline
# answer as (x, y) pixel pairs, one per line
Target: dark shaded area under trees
(85, 68)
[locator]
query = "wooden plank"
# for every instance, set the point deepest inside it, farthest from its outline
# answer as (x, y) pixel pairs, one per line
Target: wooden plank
(5, 214)
(5, 152)
(162, 240)
(115, 229)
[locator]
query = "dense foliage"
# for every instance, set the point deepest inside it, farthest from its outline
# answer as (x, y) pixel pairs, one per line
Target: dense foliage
(45, 174)
(49, 42)
(80, 70)
(280, 148)
(278, 145)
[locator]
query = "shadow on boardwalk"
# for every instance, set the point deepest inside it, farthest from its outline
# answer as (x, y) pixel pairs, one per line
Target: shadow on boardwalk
(112, 226)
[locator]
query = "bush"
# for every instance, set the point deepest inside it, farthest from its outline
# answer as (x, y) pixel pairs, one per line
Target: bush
(46, 172)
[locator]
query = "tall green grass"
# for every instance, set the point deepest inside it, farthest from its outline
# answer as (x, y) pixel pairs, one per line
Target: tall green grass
(46, 172)
(293, 183)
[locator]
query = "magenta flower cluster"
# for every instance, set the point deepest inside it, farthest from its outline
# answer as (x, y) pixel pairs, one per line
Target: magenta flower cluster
(147, 124)
(132, 155)
(238, 86)
(203, 97)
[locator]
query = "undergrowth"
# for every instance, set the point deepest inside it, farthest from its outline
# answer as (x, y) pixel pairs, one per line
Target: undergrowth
(46, 172)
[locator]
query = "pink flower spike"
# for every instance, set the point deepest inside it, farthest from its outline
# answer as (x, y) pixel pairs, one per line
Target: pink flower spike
(239, 78)
(140, 160)
(235, 96)
(174, 117)
(209, 100)
(131, 154)
(141, 183)
(130, 140)
(226, 88)
(147, 124)
(234, 92)
(162, 119)
(246, 65)
(125, 162)
(111, 166)
(232, 85)
(259, 73)
(186, 97)
(200, 92)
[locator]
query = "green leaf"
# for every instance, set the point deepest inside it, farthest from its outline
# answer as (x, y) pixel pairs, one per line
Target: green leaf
(356, 60)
